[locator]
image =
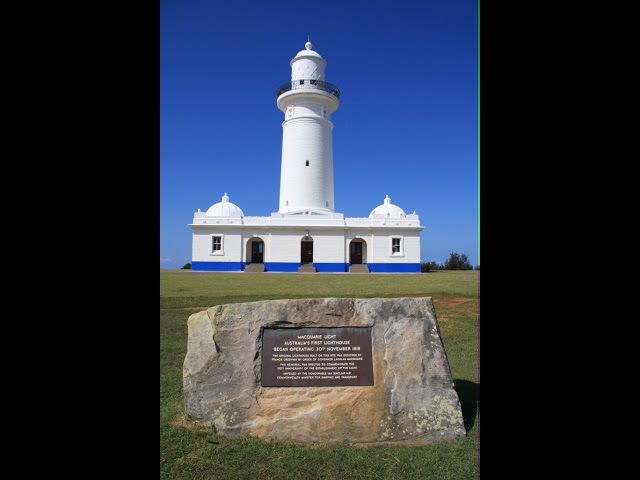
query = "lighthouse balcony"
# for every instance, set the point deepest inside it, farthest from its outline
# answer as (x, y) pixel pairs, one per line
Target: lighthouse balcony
(308, 84)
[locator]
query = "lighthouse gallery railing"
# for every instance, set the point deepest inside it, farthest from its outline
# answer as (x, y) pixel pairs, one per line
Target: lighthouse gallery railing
(308, 84)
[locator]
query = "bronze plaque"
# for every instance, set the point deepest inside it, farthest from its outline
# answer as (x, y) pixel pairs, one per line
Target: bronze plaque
(317, 357)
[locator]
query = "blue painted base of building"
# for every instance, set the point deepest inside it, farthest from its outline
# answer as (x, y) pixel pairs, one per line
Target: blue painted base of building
(394, 267)
(330, 267)
(293, 267)
(281, 267)
(218, 266)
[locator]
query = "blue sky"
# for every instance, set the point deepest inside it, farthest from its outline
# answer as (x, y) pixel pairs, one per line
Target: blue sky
(407, 125)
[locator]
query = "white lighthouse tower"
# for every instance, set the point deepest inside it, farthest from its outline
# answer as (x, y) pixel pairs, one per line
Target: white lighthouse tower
(306, 176)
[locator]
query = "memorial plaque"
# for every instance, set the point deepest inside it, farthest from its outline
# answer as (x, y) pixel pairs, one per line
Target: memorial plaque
(317, 357)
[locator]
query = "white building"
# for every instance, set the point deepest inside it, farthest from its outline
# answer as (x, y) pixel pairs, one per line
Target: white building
(306, 233)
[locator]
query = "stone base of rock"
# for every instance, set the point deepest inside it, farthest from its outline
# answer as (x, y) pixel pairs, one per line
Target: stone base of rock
(412, 399)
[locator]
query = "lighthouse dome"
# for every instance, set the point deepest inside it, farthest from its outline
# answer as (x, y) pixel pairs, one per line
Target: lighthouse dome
(308, 52)
(224, 209)
(308, 65)
(388, 210)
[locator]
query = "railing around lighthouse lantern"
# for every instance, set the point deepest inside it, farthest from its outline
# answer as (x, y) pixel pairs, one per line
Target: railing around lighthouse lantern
(308, 84)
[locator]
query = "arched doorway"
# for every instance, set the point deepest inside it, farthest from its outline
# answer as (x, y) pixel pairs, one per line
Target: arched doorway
(255, 250)
(357, 252)
(306, 250)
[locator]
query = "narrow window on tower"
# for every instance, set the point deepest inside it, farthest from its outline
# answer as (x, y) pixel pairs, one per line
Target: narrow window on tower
(327, 203)
(307, 163)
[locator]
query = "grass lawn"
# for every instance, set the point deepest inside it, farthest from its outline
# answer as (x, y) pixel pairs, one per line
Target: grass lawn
(189, 449)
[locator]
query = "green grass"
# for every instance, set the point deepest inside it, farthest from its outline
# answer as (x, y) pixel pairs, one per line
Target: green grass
(191, 450)
(185, 288)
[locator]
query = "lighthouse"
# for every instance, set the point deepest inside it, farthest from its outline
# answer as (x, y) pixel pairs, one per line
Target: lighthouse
(307, 101)
(307, 234)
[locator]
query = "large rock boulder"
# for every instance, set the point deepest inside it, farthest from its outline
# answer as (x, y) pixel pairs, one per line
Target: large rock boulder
(410, 400)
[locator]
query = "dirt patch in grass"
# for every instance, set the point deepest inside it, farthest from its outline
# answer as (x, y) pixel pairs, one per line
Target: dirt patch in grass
(183, 421)
(449, 309)
(455, 302)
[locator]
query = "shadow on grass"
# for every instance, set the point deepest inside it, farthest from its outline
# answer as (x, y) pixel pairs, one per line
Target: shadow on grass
(469, 394)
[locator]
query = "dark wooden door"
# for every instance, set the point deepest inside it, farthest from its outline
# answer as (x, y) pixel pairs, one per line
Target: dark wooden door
(356, 253)
(306, 253)
(257, 252)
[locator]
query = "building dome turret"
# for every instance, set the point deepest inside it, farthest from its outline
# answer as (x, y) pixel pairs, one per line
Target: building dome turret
(224, 209)
(388, 210)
